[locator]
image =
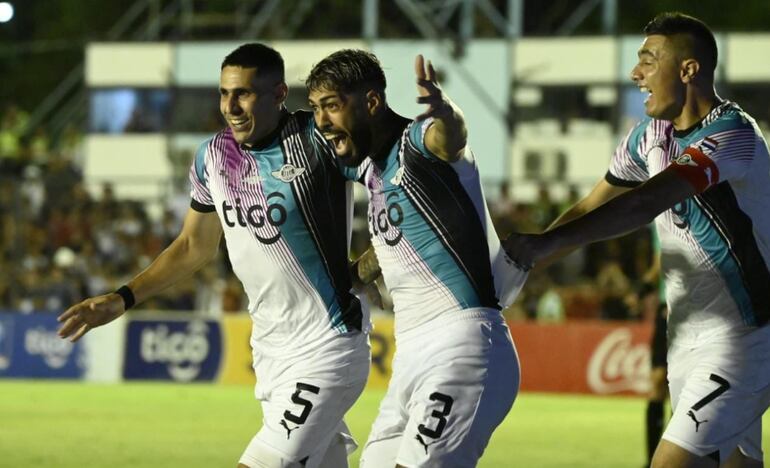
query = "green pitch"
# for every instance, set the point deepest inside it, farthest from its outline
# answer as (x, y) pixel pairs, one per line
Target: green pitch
(68, 425)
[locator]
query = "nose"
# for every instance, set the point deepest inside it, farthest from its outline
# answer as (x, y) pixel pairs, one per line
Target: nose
(636, 75)
(322, 119)
(230, 105)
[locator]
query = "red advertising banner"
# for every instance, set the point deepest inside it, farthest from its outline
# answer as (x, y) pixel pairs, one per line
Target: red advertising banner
(584, 357)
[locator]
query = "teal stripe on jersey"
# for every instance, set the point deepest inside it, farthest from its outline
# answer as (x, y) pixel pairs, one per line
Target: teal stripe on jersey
(718, 251)
(281, 201)
(634, 142)
(200, 160)
(422, 237)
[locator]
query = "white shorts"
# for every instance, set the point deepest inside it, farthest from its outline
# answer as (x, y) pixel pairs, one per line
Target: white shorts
(719, 392)
(453, 383)
(303, 403)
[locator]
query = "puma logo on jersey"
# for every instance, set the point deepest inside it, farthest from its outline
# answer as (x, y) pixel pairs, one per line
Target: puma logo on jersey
(423, 443)
(697, 423)
(288, 173)
(396, 180)
(288, 430)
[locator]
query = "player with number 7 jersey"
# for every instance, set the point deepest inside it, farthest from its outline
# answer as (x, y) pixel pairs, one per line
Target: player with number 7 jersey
(455, 369)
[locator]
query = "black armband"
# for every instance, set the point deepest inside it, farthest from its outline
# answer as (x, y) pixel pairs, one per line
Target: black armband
(127, 295)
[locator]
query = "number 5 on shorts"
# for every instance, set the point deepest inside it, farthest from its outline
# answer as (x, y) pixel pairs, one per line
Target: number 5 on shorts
(305, 404)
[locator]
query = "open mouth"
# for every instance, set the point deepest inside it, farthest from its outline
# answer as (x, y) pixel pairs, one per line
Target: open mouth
(338, 140)
(240, 124)
(647, 90)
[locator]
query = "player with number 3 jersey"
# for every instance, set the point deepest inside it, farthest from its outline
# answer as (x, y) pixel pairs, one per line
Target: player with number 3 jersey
(455, 369)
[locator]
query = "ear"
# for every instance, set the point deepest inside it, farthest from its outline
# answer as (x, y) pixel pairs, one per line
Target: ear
(281, 91)
(689, 70)
(374, 101)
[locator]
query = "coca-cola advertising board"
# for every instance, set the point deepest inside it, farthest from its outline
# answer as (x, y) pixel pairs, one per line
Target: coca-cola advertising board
(584, 357)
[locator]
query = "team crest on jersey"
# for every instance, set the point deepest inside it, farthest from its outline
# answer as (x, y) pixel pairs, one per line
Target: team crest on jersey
(685, 160)
(396, 180)
(707, 145)
(288, 173)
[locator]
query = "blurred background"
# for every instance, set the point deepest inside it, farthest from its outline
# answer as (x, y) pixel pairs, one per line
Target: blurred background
(103, 103)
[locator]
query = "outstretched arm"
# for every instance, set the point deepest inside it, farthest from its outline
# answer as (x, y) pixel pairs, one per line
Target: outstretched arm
(193, 248)
(447, 136)
(618, 216)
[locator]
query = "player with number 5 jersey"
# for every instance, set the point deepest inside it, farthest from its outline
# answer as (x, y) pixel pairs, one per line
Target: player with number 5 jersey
(455, 369)
(271, 185)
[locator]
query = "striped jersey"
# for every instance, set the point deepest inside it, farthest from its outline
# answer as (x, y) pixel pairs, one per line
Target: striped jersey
(715, 246)
(285, 210)
(432, 233)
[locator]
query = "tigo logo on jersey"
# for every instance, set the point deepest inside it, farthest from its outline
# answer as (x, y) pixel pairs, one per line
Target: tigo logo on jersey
(288, 173)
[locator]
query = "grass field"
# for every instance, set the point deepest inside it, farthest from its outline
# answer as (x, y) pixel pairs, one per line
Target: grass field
(143, 425)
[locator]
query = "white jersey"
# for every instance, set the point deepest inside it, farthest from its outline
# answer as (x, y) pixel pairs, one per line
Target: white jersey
(432, 233)
(285, 211)
(715, 246)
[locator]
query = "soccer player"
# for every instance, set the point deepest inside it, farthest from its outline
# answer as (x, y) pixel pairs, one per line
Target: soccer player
(455, 369)
(270, 182)
(700, 167)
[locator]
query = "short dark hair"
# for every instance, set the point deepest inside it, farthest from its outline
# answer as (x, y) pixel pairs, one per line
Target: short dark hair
(347, 70)
(264, 58)
(704, 45)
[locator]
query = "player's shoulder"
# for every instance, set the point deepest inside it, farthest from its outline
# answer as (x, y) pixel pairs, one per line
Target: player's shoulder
(646, 132)
(300, 120)
(728, 116)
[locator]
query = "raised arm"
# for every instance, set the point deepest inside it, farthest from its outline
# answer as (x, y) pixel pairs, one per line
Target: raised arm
(195, 246)
(447, 136)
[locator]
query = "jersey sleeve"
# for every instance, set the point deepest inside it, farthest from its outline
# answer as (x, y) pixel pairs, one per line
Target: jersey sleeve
(724, 152)
(417, 130)
(199, 189)
(628, 168)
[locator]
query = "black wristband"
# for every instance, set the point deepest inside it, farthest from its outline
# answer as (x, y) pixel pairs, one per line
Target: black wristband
(127, 295)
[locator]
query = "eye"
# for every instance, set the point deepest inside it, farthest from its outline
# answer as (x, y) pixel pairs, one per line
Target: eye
(333, 106)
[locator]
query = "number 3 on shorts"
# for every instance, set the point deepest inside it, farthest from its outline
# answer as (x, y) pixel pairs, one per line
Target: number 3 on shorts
(305, 404)
(440, 415)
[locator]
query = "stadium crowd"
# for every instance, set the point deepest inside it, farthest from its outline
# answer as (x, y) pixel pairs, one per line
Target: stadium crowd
(60, 243)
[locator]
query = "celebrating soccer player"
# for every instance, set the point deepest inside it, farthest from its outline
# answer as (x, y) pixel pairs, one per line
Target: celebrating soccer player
(455, 370)
(270, 182)
(700, 167)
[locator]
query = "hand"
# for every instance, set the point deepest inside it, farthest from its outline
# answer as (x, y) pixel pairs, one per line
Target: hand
(429, 91)
(91, 313)
(525, 249)
(365, 269)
